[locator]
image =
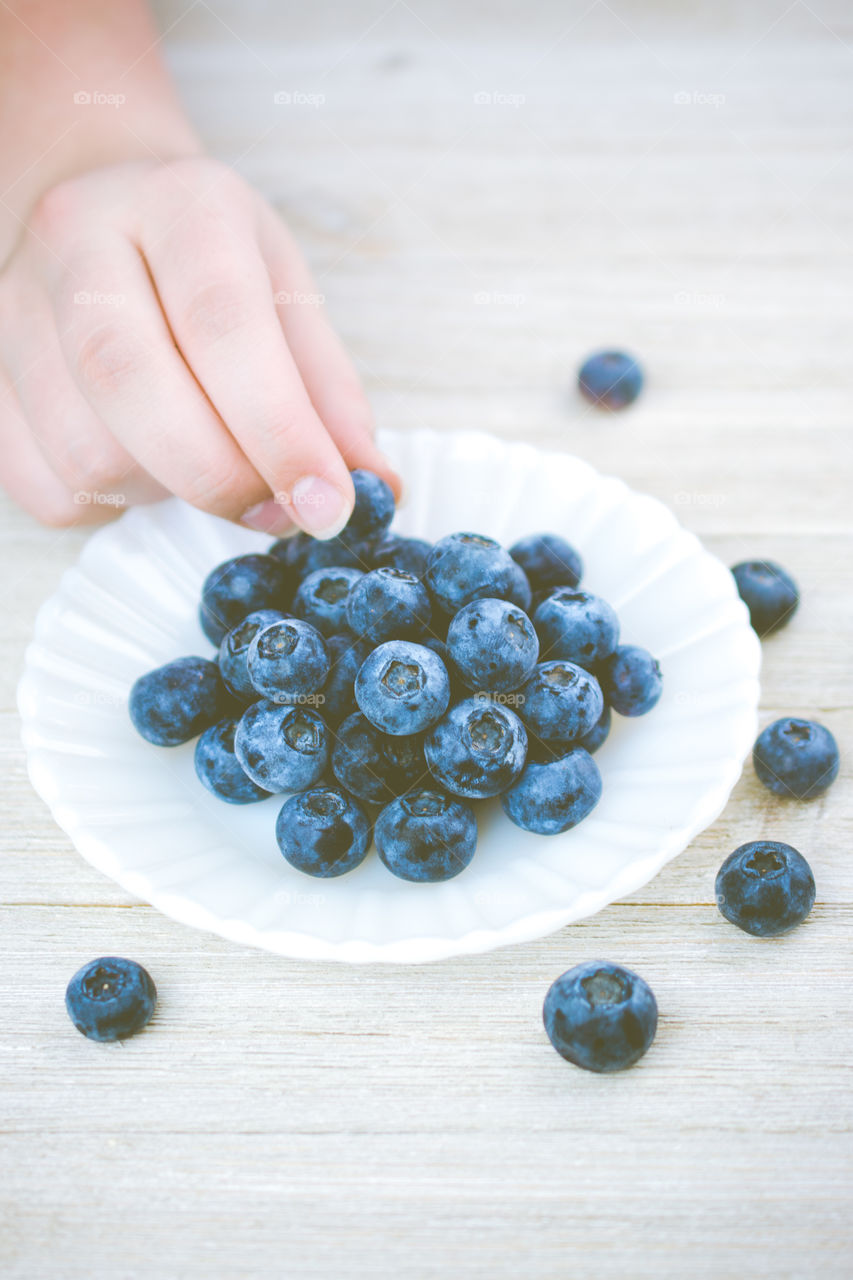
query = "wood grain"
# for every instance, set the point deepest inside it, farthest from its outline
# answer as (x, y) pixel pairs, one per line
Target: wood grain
(311, 1120)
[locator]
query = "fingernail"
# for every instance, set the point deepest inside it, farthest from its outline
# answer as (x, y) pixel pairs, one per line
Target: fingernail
(268, 517)
(319, 507)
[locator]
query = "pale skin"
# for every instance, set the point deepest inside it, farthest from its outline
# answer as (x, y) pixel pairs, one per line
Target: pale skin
(145, 349)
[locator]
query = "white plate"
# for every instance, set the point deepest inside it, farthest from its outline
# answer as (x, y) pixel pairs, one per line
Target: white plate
(138, 814)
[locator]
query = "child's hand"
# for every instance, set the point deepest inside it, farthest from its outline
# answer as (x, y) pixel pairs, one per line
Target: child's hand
(160, 334)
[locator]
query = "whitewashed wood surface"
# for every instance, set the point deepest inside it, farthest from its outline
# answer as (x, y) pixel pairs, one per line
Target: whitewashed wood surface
(310, 1120)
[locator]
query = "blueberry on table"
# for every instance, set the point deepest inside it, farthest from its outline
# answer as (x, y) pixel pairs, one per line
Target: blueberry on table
(548, 560)
(477, 749)
(600, 1016)
(220, 771)
(323, 832)
(110, 998)
(234, 651)
(610, 379)
(288, 661)
(177, 701)
(374, 505)
(765, 888)
(770, 594)
(797, 758)
(576, 626)
(561, 702)
(282, 748)
(374, 766)
(388, 604)
(321, 598)
(403, 687)
(237, 588)
(493, 645)
(467, 566)
(426, 836)
(631, 680)
(393, 551)
(552, 796)
(337, 700)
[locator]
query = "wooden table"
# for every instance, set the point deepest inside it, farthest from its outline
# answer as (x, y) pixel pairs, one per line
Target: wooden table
(487, 193)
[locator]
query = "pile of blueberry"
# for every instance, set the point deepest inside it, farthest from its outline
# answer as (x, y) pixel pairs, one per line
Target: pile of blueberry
(374, 670)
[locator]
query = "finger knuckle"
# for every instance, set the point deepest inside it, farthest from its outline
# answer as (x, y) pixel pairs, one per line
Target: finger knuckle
(215, 310)
(215, 487)
(95, 467)
(108, 358)
(55, 209)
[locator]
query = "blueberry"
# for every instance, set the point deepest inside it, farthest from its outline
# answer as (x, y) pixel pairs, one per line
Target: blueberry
(770, 594)
(561, 702)
(177, 701)
(493, 645)
(631, 680)
(292, 551)
(600, 1016)
(336, 553)
(610, 379)
(548, 560)
(321, 598)
(477, 749)
(288, 661)
(234, 651)
(239, 587)
(374, 505)
(796, 758)
(346, 654)
(577, 627)
(402, 688)
(393, 551)
(426, 836)
(554, 795)
(323, 832)
(110, 998)
(374, 766)
(282, 748)
(599, 732)
(519, 592)
(765, 888)
(218, 768)
(467, 566)
(388, 604)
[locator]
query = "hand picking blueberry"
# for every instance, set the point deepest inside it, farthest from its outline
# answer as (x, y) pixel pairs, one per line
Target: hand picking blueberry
(426, 835)
(600, 1016)
(796, 758)
(110, 998)
(374, 506)
(323, 832)
(610, 379)
(770, 594)
(765, 888)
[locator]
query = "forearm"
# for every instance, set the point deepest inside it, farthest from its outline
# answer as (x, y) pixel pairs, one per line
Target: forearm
(82, 84)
